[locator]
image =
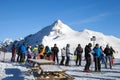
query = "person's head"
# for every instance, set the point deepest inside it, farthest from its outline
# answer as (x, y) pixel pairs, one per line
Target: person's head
(97, 45)
(107, 46)
(64, 48)
(47, 47)
(68, 45)
(79, 45)
(55, 45)
(111, 47)
(30, 46)
(90, 45)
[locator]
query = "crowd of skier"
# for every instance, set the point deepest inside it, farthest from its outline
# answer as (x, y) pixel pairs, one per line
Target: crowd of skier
(99, 55)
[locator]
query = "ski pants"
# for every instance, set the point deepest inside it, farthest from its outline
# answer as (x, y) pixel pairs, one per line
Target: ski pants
(109, 58)
(79, 58)
(88, 63)
(22, 59)
(56, 56)
(62, 61)
(97, 64)
(67, 61)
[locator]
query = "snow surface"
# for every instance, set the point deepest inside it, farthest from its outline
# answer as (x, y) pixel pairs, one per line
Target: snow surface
(16, 71)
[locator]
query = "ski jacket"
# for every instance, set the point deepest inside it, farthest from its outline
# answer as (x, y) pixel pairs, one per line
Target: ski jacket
(23, 49)
(97, 52)
(29, 51)
(108, 52)
(42, 50)
(13, 50)
(87, 51)
(47, 51)
(63, 52)
(55, 50)
(68, 51)
(35, 51)
(79, 50)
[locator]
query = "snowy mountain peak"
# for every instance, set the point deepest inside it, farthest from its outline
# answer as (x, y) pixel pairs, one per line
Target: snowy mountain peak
(60, 27)
(58, 21)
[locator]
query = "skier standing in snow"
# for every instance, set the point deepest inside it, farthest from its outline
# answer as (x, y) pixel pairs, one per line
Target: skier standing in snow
(23, 51)
(108, 52)
(14, 49)
(55, 51)
(29, 52)
(88, 57)
(67, 55)
(47, 52)
(35, 52)
(63, 53)
(79, 51)
(97, 58)
(4, 49)
(18, 53)
(103, 56)
(41, 50)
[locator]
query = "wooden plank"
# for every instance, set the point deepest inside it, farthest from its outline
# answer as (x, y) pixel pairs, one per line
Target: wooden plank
(51, 68)
(41, 61)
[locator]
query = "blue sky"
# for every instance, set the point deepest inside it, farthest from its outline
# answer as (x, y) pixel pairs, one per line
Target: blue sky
(19, 18)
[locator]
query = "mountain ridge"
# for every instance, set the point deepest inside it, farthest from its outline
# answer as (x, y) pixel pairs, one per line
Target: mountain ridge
(61, 34)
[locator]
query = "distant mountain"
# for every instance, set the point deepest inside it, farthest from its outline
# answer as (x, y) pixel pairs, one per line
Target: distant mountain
(7, 41)
(61, 34)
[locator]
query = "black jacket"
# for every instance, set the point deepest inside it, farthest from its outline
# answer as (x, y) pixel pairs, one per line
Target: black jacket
(55, 50)
(108, 52)
(87, 51)
(79, 50)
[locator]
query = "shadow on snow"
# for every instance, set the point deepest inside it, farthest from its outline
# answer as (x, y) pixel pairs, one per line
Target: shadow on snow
(15, 74)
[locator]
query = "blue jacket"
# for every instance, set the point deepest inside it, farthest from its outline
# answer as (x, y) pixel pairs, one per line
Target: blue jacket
(23, 49)
(97, 52)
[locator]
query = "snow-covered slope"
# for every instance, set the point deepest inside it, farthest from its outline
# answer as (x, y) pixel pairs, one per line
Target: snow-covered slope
(61, 34)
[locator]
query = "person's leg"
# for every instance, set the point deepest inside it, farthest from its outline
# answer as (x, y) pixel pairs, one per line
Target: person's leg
(77, 60)
(99, 65)
(80, 58)
(95, 59)
(57, 58)
(107, 59)
(21, 57)
(67, 61)
(88, 63)
(61, 63)
(54, 57)
(110, 64)
(14, 57)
